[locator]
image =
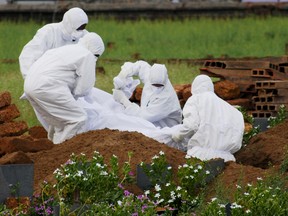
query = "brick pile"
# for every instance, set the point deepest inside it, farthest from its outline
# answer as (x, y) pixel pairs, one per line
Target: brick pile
(262, 83)
(16, 139)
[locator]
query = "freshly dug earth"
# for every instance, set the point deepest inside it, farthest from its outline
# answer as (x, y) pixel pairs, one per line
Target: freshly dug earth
(261, 156)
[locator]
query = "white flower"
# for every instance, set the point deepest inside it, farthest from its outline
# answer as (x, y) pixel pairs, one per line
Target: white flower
(178, 188)
(185, 165)
(155, 157)
(246, 194)
(187, 156)
(160, 201)
(119, 202)
(104, 173)
(147, 192)
(199, 167)
(157, 187)
(207, 172)
(161, 153)
(222, 206)
(56, 171)
(195, 171)
(238, 186)
(191, 176)
(259, 179)
(157, 195)
(249, 185)
(248, 211)
(191, 167)
(168, 184)
(79, 173)
(213, 199)
(169, 167)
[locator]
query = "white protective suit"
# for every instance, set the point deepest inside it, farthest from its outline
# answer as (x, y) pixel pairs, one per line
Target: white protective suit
(159, 105)
(214, 127)
(52, 36)
(57, 79)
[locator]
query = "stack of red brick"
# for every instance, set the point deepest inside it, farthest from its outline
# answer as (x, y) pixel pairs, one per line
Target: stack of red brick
(16, 139)
(262, 83)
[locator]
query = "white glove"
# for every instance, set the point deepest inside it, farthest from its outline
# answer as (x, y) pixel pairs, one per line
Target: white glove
(120, 97)
(126, 70)
(143, 69)
(119, 83)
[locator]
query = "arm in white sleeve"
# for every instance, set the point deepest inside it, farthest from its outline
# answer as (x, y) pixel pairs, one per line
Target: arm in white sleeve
(190, 122)
(34, 49)
(86, 77)
(153, 111)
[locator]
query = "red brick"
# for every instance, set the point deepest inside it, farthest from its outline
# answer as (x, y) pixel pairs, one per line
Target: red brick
(5, 99)
(9, 113)
(13, 128)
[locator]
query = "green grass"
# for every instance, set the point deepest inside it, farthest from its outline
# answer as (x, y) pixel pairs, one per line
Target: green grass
(154, 41)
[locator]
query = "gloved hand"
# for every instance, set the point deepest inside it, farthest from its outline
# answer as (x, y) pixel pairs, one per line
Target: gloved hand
(120, 97)
(119, 83)
(126, 70)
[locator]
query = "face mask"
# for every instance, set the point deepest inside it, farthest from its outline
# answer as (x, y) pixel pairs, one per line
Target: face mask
(157, 90)
(76, 35)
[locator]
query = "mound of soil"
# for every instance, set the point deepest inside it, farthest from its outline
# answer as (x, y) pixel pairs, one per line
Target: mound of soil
(259, 157)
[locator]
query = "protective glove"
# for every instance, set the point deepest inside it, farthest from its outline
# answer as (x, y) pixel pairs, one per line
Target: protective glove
(126, 70)
(143, 69)
(120, 97)
(119, 83)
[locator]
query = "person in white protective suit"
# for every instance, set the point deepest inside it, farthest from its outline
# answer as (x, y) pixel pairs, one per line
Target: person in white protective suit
(57, 79)
(213, 127)
(53, 35)
(159, 102)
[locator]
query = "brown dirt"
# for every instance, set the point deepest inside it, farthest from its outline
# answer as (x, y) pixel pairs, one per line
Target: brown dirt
(259, 157)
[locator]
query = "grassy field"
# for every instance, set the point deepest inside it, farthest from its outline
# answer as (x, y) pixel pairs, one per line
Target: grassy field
(151, 41)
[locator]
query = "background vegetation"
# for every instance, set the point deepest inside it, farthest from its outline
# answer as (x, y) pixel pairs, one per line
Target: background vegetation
(153, 41)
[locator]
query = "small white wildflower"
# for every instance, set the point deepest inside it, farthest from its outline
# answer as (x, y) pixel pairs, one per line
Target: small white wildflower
(213, 199)
(222, 206)
(207, 172)
(259, 179)
(196, 171)
(56, 171)
(155, 157)
(188, 156)
(168, 184)
(191, 167)
(104, 173)
(157, 195)
(178, 188)
(160, 201)
(169, 168)
(147, 192)
(185, 165)
(199, 167)
(238, 186)
(161, 153)
(246, 194)
(191, 176)
(179, 167)
(248, 211)
(170, 201)
(249, 185)
(157, 187)
(119, 202)
(79, 173)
